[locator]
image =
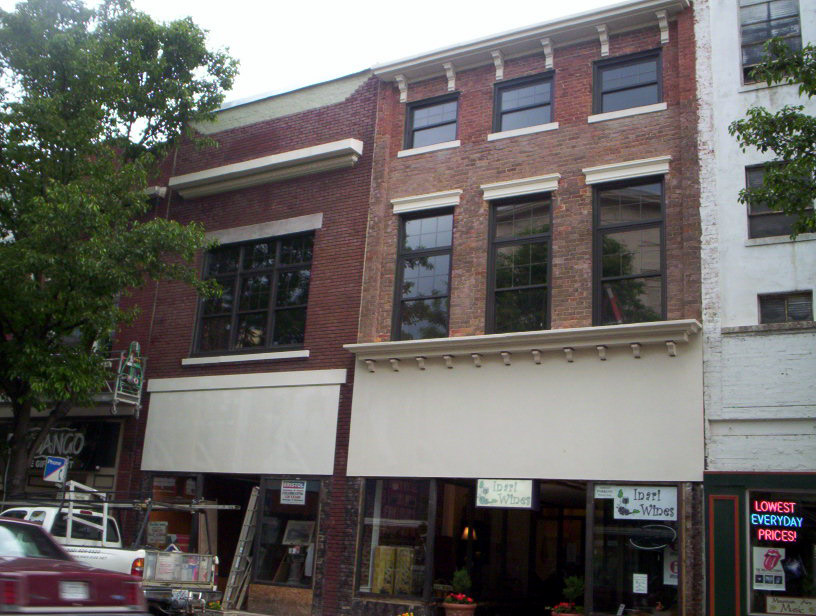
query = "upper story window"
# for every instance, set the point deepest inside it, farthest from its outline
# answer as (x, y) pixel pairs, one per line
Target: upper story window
(519, 263)
(265, 288)
(629, 268)
(523, 102)
(762, 220)
(786, 307)
(761, 20)
(629, 81)
(432, 121)
(423, 277)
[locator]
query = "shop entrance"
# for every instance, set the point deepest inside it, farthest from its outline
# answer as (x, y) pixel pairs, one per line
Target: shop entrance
(518, 559)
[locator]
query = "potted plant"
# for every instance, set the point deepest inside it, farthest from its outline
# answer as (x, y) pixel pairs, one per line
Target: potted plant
(458, 603)
(573, 591)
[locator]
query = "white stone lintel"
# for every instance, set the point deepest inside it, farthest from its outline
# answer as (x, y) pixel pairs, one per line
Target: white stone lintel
(414, 203)
(523, 186)
(627, 170)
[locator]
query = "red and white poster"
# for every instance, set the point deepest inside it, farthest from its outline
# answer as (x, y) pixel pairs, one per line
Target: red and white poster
(768, 572)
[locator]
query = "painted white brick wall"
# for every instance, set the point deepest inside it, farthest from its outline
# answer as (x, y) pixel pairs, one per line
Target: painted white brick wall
(760, 388)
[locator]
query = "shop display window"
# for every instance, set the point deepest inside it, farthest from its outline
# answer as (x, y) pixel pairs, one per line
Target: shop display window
(287, 530)
(635, 540)
(782, 552)
(392, 557)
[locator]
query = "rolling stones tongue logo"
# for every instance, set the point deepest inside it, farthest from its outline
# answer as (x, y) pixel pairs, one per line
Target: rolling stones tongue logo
(771, 559)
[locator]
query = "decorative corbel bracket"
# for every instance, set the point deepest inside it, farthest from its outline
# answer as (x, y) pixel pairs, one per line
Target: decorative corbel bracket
(371, 365)
(546, 43)
(498, 62)
(663, 22)
(603, 34)
(568, 354)
(601, 352)
(402, 84)
(451, 74)
(448, 361)
(394, 364)
(536, 356)
(477, 359)
(420, 360)
(671, 347)
(506, 357)
(635, 350)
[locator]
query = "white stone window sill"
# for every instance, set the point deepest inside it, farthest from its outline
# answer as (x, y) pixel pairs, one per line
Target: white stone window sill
(762, 85)
(527, 130)
(780, 239)
(229, 359)
(445, 145)
(625, 113)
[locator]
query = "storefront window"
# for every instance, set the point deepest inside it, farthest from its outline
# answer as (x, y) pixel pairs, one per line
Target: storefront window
(394, 534)
(287, 521)
(634, 544)
(782, 527)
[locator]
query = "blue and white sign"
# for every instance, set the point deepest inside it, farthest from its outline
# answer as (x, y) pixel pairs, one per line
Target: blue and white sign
(55, 469)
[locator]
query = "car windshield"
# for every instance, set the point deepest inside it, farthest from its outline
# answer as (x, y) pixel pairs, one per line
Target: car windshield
(22, 540)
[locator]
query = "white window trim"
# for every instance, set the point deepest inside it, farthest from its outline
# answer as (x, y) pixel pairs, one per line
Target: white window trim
(430, 201)
(625, 113)
(274, 228)
(780, 239)
(627, 170)
(527, 130)
(228, 359)
(523, 186)
(249, 381)
(444, 145)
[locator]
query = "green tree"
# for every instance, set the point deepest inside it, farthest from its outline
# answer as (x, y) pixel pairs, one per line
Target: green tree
(92, 100)
(789, 134)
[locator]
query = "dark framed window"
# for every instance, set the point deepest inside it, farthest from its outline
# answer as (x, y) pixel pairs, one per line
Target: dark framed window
(762, 20)
(629, 81)
(523, 102)
(520, 264)
(629, 259)
(288, 511)
(265, 288)
(431, 121)
(423, 277)
(762, 220)
(786, 307)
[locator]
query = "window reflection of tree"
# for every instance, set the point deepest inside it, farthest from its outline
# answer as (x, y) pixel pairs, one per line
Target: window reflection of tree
(422, 316)
(622, 300)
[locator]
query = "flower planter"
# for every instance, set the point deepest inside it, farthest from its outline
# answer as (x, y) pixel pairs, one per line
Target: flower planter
(459, 609)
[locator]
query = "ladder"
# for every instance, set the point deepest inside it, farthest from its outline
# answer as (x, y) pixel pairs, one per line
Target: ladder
(239, 573)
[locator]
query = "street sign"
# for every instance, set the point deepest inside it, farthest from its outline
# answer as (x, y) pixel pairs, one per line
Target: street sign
(55, 469)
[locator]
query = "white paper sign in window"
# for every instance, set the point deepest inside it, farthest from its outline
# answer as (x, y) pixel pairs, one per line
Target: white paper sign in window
(645, 503)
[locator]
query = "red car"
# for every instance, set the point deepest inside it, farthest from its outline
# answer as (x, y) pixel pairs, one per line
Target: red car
(38, 577)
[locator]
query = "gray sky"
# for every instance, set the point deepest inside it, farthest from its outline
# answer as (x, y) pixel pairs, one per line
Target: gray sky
(283, 45)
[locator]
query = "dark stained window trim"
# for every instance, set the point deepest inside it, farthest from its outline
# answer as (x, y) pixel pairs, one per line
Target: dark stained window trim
(396, 319)
(599, 231)
(634, 58)
(490, 317)
(269, 346)
(410, 108)
(499, 87)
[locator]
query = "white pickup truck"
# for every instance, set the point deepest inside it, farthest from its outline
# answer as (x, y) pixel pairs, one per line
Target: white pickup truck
(173, 582)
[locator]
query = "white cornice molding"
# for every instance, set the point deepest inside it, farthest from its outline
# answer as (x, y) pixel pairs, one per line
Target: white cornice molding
(276, 167)
(294, 378)
(627, 170)
(415, 203)
(273, 228)
(620, 17)
(523, 186)
(609, 336)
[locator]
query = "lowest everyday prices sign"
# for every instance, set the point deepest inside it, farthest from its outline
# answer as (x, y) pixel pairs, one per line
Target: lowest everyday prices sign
(644, 502)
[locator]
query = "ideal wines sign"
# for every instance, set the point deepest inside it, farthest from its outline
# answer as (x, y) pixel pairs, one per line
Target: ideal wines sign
(506, 493)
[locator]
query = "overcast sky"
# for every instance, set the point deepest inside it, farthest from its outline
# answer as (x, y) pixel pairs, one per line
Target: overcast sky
(283, 45)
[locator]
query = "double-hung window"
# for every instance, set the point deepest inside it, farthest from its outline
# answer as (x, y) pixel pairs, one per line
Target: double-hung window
(265, 288)
(762, 220)
(762, 20)
(519, 260)
(431, 121)
(629, 81)
(523, 102)
(423, 277)
(629, 252)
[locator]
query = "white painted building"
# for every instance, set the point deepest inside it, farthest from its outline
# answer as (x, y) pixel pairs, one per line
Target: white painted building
(759, 334)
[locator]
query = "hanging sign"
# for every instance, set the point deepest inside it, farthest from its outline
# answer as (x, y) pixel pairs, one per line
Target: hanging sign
(645, 503)
(293, 493)
(768, 572)
(505, 493)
